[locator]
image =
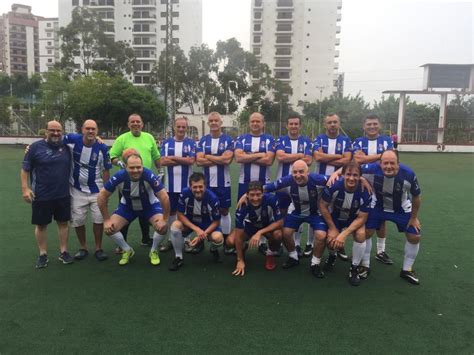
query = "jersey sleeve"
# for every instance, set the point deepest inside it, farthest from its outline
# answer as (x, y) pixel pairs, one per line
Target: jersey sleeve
(308, 149)
(28, 163)
(239, 144)
(153, 180)
(365, 202)
(316, 144)
(279, 144)
(369, 168)
(71, 138)
(284, 181)
(105, 154)
(181, 204)
(192, 148)
(415, 187)
(162, 148)
(326, 195)
(240, 216)
(115, 180)
(229, 144)
(320, 179)
(215, 213)
(348, 145)
(117, 148)
(357, 145)
(276, 209)
(200, 145)
(389, 143)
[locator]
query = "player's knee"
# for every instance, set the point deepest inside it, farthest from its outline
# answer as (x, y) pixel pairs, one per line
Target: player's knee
(230, 241)
(369, 233)
(277, 235)
(413, 238)
(177, 226)
(321, 236)
(359, 235)
(224, 211)
(217, 238)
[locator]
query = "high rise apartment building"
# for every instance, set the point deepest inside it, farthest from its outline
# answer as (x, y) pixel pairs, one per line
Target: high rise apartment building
(142, 24)
(48, 43)
(19, 51)
(298, 40)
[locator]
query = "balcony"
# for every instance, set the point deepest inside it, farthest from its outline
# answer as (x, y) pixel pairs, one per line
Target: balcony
(339, 4)
(102, 5)
(285, 5)
(339, 17)
(336, 54)
(150, 18)
(144, 4)
(338, 29)
(258, 4)
(336, 66)
(337, 42)
(145, 45)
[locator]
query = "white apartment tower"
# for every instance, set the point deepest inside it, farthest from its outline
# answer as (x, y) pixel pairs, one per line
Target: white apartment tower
(298, 40)
(142, 24)
(48, 43)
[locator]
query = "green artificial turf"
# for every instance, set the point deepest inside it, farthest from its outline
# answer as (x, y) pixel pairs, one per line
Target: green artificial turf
(92, 307)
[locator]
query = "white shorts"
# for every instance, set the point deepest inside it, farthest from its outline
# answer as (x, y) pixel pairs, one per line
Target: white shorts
(81, 202)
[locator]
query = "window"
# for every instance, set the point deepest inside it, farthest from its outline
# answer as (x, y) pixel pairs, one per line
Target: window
(258, 3)
(146, 66)
(284, 15)
(75, 2)
(48, 24)
(50, 51)
(175, 40)
(163, 27)
(283, 39)
(48, 34)
(50, 43)
(282, 74)
(284, 27)
(175, 14)
(283, 51)
(256, 50)
(256, 39)
(163, 14)
(85, 2)
(257, 15)
(285, 3)
(257, 27)
(50, 60)
(282, 63)
(175, 27)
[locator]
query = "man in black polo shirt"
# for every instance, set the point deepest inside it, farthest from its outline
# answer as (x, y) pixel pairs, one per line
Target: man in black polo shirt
(48, 163)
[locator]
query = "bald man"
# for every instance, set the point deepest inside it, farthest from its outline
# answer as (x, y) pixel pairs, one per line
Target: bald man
(47, 164)
(305, 191)
(91, 165)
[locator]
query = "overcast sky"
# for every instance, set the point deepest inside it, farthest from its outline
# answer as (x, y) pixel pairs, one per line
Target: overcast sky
(383, 42)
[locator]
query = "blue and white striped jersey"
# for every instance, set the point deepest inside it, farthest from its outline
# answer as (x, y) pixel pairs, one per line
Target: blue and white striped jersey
(253, 144)
(217, 175)
(258, 217)
(292, 146)
(392, 194)
(205, 211)
(88, 163)
(344, 205)
(304, 199)
(339, 145)
(373, 146)
(136, 195)
(177, 176)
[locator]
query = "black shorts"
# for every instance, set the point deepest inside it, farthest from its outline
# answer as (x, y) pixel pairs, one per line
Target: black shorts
(43, 211)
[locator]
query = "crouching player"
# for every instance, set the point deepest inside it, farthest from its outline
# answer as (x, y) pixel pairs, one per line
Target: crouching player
(198, 211)
(258, 217)
(143, 195)
(345, 208)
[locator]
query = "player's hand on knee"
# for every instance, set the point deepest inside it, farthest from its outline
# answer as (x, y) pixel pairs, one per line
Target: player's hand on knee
(161, 227)
(239, 268)
(253, 242)
(415, 223)
(109, 227)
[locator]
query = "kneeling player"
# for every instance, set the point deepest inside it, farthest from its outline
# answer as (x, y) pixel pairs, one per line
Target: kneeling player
(198, 211)
(344, 207)
(259, 217)
(143, 195)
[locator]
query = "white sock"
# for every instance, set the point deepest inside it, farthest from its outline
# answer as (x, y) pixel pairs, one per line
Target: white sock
(157, 239)
(310, 240)
(366, 257)
(297, 237)
(118, 239)
(358, 250)
(177, 241)
(315, 260)
(226, 224)
(411, 251)
(380, 245)
(293, 254)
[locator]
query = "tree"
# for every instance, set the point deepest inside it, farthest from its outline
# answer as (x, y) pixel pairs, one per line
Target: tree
(53, 91)
(85, 38)
(110, 100)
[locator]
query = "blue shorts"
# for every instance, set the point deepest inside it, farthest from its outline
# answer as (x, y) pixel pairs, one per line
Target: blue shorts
(340, 225)
(223, 194)
(284, 200)
(174, 197)
(377, 217)
(294, 221)
(129, 214)
(203, 226)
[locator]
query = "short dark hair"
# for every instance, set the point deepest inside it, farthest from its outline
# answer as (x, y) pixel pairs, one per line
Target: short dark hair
(371, 116)
(390, 150)
(255, 185)
(196, 176)
(293, 115)
(352, 165)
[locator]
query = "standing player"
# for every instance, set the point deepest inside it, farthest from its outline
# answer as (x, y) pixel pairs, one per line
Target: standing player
(345, 207)
(215, 152)
(331, 150)
(305, 191)
(178, 154)
(198, 211)
(143, 196)
(397, 199)
(259, 216)
(255, 152)
(290, 148)
(145, 145)
(48, 164)
(91, 165)
(368, 149)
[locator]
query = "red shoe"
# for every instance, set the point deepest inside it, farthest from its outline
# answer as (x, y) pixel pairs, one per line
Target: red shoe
(270, 262)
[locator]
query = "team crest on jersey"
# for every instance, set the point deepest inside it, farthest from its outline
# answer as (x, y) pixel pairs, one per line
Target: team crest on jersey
(221, 146)
(185, 149)
(301, 148)
(339, 146)
(262, 144)
(380, 147)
